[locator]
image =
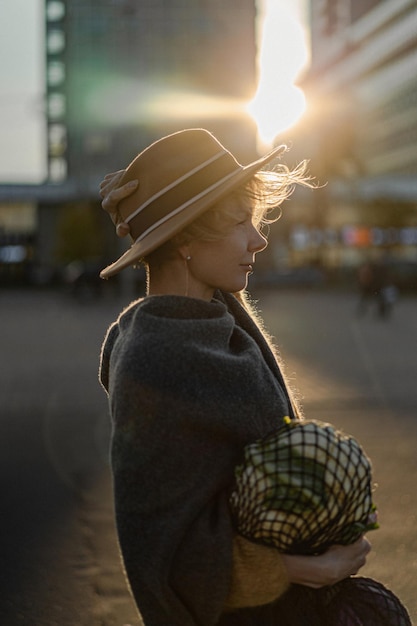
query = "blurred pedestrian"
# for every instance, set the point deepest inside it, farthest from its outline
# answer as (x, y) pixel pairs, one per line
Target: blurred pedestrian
(193, 378)
(376, 288)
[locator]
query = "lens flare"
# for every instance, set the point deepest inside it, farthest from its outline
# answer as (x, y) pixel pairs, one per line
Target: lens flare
(278, 102)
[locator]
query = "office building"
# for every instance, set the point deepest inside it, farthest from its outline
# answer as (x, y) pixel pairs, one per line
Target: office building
(364, 71)
(360, 133)
(121, 73)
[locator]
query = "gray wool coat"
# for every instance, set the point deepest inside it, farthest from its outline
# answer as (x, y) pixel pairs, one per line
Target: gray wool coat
(190, 383)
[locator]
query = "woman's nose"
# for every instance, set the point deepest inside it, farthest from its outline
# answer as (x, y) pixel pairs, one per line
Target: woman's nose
(257, 242)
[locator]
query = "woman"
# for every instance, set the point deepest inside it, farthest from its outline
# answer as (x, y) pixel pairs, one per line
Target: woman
(192, 379)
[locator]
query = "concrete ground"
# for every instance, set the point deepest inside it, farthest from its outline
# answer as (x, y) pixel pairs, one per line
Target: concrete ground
(356, 372)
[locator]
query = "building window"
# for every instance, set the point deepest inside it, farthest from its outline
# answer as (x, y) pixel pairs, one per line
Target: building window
(57, 169)
(333, 15)
(55, 41)
(359, 8)
(57, 140)
(55, 11)
(56, 106)
(56, 73)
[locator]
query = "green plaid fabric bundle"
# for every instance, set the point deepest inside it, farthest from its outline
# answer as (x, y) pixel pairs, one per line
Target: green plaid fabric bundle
(304, 488)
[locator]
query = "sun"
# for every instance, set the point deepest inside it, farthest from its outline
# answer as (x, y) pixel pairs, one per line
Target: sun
(278, 102)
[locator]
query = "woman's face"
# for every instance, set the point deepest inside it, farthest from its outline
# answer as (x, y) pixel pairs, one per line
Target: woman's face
(227, 262)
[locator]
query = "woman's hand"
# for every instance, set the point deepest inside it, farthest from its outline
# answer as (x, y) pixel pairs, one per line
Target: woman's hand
(112, 194)
(337, 563)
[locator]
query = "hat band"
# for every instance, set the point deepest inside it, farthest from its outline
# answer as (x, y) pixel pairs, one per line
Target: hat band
(176, 182)
(166, 218)
(183, 192)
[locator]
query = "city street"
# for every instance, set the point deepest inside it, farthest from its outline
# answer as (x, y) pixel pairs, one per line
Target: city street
(60, 564)
(359, 373)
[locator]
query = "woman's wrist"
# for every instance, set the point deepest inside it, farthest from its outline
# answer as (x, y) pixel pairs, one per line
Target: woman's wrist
(307, 570)
(337, 563)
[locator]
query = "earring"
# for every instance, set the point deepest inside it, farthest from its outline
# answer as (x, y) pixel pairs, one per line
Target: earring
(186, 259)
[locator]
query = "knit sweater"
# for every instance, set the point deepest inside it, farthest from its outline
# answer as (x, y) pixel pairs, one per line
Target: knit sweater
(190, 383)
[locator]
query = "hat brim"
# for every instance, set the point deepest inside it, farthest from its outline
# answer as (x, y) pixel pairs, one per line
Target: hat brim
(178, 221)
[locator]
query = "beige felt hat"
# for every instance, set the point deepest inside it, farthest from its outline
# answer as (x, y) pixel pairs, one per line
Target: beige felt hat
(180, 176)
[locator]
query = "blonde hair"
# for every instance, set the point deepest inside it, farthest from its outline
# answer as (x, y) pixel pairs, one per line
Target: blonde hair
(250, 307)
(265, 192)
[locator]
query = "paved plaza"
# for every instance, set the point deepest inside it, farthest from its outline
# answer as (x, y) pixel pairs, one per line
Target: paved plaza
(59, 554)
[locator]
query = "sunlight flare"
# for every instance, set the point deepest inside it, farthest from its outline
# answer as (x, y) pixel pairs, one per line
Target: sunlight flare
(278, 102)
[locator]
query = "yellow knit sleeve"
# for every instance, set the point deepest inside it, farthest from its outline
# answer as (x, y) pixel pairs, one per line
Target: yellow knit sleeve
(259, 575)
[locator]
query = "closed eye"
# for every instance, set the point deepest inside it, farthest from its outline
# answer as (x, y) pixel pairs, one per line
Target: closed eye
(245, 219)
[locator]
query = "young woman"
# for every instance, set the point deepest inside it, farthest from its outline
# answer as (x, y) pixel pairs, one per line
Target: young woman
(192, 378)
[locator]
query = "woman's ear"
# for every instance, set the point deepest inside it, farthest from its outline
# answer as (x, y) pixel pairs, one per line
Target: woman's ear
(184, 252)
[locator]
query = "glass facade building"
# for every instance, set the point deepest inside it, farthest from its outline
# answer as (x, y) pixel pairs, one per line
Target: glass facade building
(364, 60)
(121, 73)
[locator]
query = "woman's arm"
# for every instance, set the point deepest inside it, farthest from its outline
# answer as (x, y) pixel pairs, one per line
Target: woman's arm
(261, 574)
(337, 563)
